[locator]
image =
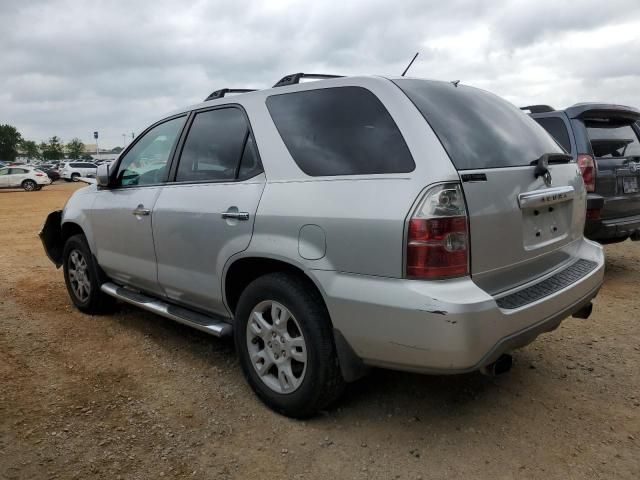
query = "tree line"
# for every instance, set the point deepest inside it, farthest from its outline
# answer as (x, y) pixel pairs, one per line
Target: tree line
(12, 143)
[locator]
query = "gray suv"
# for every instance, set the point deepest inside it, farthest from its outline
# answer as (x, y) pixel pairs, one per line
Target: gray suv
(603, 140)
(335, 225)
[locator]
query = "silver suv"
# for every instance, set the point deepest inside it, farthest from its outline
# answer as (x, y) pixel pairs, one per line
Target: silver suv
(335, 225)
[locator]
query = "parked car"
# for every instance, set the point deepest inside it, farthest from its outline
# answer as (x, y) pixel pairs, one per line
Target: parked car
(603, 140)
(51, 172)
(334, 225)
(28, 178)
(72, 171)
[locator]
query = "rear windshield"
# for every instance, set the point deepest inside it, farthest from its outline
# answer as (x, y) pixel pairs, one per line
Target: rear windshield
(611, 140)
(478, 129)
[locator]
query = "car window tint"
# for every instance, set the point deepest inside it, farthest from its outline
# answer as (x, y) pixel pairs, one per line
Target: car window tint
(17, 171)
(478, 129)
(558, 130)
(4, 171)
(612, 140)
(145, 163)
(339, 131)
(213, 146)
(249, 165)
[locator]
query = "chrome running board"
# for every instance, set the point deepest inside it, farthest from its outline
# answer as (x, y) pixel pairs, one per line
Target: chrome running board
(214, 326)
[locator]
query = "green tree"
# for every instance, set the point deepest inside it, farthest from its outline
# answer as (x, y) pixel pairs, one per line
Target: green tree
(30, 149)
(10, 139)
(75, 148)
(52, 150)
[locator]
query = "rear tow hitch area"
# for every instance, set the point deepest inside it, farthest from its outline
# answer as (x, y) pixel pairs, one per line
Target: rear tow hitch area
(501, 365)
(584, 312)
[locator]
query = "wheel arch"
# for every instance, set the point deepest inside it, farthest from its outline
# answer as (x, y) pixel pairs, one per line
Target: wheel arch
(242, 271)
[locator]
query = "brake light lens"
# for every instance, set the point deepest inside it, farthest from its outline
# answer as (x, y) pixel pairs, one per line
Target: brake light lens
(588, 170)
(39, 174)
(437, 239)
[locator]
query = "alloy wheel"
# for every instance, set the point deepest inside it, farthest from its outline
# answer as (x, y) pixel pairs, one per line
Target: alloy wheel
(277, 347)
(79, 275)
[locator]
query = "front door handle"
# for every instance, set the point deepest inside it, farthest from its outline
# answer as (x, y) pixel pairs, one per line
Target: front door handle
(140, 211)
(235, 215)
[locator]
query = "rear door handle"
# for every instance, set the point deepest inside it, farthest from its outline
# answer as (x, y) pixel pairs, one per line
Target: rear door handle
(236, 215)
(140, 211)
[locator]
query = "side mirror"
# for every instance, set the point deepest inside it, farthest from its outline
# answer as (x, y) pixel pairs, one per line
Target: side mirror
(102, 175)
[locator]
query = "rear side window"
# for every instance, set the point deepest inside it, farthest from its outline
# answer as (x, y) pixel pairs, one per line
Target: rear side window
(558, 130)
(339, 131)
(478, 129)
(612, 140)
(214, 147)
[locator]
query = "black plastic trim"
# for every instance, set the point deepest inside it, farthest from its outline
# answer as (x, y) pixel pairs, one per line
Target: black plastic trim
(554, 283)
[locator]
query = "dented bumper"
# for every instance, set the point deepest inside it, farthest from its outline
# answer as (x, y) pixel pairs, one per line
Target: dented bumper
(51, 237)
(450, 326)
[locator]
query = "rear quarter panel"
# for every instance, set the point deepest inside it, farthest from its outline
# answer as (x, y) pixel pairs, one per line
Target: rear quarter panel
(362, 216)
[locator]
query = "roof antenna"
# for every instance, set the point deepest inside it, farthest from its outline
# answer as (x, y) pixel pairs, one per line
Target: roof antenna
(455, 83)
(410, 63)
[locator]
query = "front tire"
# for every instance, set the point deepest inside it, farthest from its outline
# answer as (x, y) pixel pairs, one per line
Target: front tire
(29, 185)
(75, 177)
(284, 340)
(84, 277)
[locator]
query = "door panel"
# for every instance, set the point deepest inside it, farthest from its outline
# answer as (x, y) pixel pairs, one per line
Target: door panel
(122, 218)
(124, 241)
(193, 240)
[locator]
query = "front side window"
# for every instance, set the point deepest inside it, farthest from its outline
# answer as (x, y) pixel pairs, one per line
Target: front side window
(214, 146)
(4, 171)
(146, 162)
(612, 140)
(340, 131)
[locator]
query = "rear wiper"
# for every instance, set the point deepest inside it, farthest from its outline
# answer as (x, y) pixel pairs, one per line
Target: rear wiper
(549, 158)
(542, 164)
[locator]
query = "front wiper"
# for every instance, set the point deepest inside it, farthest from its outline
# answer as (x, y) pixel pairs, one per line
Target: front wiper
(549, 158)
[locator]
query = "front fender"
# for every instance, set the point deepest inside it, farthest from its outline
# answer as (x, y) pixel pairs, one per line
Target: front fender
(51, 237)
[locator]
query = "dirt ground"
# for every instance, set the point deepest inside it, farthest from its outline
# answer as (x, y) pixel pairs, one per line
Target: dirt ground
(132, 395)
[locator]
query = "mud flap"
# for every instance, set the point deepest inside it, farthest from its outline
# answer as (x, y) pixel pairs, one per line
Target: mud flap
(51, 237)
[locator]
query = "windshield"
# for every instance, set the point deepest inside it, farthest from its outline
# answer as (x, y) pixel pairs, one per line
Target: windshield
(612, 140)
(478, 129)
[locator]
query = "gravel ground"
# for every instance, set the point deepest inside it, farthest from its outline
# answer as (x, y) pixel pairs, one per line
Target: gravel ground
(132, 395)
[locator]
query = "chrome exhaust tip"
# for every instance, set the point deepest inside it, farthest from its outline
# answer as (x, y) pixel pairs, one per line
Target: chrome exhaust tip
(502, 365)
(584, 312)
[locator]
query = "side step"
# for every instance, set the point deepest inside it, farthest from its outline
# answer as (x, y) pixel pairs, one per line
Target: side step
(214, 326)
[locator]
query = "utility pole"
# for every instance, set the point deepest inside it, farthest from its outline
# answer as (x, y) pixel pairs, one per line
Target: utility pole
(124, 140)
(95, 136)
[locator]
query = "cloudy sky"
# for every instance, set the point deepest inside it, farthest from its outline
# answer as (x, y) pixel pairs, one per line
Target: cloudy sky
(68, 67)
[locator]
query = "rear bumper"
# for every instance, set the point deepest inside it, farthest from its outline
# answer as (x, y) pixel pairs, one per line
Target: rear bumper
(612, 229)
(448, 326)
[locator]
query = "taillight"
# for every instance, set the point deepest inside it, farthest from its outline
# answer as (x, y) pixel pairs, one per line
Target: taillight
(39, 174)
(437, 239)
(588, 170)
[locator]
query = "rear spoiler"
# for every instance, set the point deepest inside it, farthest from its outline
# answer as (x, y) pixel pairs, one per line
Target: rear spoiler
(603, 110)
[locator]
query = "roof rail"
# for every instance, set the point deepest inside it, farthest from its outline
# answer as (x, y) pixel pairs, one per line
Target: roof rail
(295, 78)
(223, 91)
(538, 108)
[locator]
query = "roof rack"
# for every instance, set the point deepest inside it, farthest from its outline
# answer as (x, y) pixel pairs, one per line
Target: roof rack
(538, 108)
(223, 91)
(295, 78)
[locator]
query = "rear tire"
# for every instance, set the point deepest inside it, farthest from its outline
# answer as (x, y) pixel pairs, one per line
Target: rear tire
(282, 329)
(83, 277)
(29, 185)
(75, 177)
